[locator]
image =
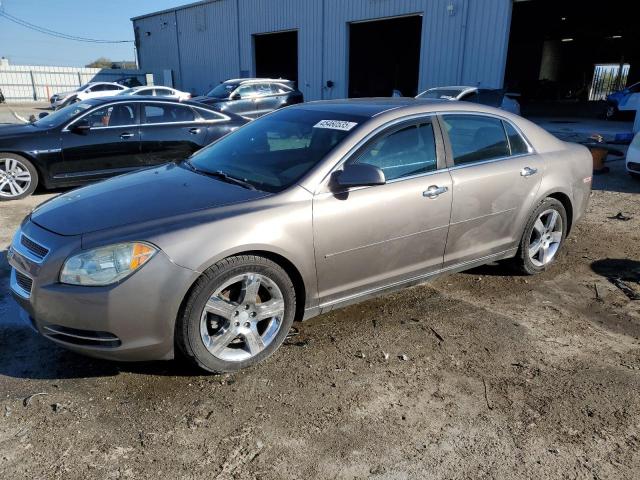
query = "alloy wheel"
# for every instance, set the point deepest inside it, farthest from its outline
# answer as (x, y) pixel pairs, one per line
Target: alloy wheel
(546, 237)
(15, 178)
(242, 317)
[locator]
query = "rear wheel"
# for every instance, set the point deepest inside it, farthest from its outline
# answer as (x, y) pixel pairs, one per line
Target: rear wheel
(238, 313)
(543, 237)
(18, 177)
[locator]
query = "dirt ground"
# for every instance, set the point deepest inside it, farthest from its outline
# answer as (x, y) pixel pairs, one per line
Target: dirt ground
(488, 375)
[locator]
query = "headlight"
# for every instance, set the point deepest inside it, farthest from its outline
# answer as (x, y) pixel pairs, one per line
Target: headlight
(106, 265)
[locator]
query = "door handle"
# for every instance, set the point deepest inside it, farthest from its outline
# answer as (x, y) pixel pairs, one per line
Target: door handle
(126, 135)
(528, 171)
(194, 131)
(433, 191)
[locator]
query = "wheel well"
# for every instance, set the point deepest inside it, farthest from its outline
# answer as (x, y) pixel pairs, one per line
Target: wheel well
(566, 203)
(287, 266)
(41, 179)
(294, 275)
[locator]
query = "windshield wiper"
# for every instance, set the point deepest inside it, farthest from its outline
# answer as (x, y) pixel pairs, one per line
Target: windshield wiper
(221, 175)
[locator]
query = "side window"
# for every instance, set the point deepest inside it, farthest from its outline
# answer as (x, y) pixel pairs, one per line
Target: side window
(144, 91)
(278, 88)
(475, 138)
(247, 91)
(470, 97)
(163, 92)
(516, 142)
(405, 152)
(264, 89)
(166, 113)
(208, 115)
(113, 116)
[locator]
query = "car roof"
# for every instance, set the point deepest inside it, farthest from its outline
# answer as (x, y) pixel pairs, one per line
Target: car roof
(249, 80)
(366, 107)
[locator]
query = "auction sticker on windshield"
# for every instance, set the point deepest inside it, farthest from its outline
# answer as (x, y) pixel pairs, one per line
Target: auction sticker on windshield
(335, 125)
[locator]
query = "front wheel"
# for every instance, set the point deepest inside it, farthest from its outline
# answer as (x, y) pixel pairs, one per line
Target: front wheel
(18, 177)
(237, 314)
(543, 237)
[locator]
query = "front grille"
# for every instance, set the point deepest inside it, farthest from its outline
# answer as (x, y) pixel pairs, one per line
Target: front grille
(23, 281)
(89, 338)
(34, 248)
(634, 166)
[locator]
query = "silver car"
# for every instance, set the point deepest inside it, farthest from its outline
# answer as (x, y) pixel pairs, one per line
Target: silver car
(485, 96)
(303, 211)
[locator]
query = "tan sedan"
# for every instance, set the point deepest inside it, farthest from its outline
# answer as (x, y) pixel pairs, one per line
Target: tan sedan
(303, 211)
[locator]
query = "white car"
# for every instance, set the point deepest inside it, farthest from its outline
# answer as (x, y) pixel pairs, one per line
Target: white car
(86, 91)
(633, 157)
(157, 91)
(485, 96)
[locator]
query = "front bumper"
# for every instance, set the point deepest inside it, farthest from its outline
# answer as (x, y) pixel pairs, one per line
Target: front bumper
(132, 320)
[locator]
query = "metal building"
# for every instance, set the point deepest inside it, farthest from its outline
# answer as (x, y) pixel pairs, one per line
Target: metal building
(332, 48)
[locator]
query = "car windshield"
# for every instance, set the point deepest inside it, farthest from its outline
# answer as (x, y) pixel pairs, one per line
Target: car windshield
(63, 115)
(274, 152)
(441, 93)
(223, 90)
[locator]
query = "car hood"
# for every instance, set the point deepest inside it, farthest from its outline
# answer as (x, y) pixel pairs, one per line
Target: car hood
(17, 130)
(159, 193)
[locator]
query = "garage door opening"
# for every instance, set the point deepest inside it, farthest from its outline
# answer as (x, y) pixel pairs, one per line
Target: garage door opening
(384, 55)
(571, 53)
(276, 55)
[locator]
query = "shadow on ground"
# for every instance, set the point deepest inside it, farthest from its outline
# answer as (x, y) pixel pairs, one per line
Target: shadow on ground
(26, 354)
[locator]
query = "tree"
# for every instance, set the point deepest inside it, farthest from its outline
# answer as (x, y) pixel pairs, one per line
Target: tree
(101, 62)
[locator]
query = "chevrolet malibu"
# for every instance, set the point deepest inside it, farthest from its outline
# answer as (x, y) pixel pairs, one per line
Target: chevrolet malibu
(303, 211)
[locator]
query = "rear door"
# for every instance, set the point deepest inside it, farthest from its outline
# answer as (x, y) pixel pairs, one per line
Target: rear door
(169, 132)
(367, 238)
(496, 175)
(111, 146)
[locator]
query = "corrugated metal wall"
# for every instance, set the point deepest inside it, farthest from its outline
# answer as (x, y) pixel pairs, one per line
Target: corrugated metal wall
(463, 41)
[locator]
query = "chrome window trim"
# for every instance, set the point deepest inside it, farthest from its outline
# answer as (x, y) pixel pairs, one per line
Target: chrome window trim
(491, 160)
(66, 127)
(17, 246)
(15, 287)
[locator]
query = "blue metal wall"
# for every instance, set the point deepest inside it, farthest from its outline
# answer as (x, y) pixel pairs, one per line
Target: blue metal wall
(463, 41)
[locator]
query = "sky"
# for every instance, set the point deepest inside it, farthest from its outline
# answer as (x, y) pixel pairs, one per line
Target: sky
(103, 19)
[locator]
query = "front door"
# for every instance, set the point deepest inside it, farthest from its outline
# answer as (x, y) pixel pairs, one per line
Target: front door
(245, 101)
(371, 237)
(111, 146)
(169, 132)
(495, 180)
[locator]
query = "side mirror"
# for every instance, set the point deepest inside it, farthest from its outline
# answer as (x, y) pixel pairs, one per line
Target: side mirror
(360, 175)
(41, 115)
(81, 127)
(235, 96)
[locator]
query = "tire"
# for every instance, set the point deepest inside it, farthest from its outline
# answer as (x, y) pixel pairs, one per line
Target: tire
(635, 176)
(18, 177)
(230, 333)
(551, 239)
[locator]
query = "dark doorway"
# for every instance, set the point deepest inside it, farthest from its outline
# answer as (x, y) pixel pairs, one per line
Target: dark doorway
(573, 51)
(384, 55)
(276, 55)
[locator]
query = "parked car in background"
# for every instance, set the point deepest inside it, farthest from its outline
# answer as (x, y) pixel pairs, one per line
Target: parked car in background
(102, 137)
(298, 213)
(615, 99)
(129, 82)
(85, 92)
(157, 91)
(252, 97)
(633, 157)
(485, 96)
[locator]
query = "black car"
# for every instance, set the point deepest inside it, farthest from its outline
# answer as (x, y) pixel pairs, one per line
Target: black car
(252, 97)
(102, 137)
